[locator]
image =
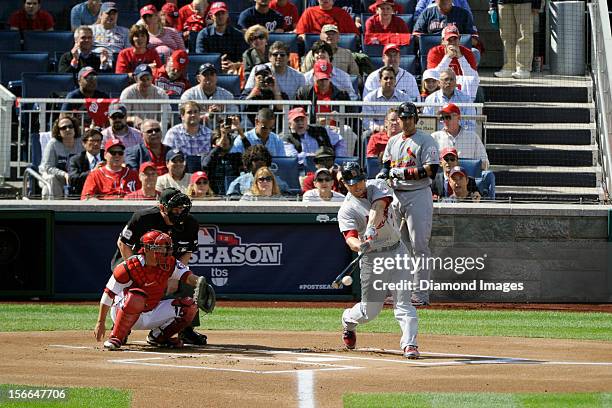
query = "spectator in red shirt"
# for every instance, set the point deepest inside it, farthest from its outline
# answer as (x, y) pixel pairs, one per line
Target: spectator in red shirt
(193, 15)
(114, 180)
(378, 141)
(384, 21)
(130, 58)
(169, 15)
(172, 77)
(288, 10)
(314, 18)
(31, 17)
(451, 49)
(147, 174)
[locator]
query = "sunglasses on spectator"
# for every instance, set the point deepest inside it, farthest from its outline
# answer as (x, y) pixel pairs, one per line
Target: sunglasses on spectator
(66, 127)
(258, 37)
(279, 54)
(450, 158)
(446, 117)
(266, 178)
(178, 160)
(115, 152)
(202, 182)
(324, 179)
(118, 116)
(94, 140)
(151, 131)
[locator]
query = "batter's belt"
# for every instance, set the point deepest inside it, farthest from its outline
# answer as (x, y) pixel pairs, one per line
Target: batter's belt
(387, 248)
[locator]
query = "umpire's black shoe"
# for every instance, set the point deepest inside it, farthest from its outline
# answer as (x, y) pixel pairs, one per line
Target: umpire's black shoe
(190, 336)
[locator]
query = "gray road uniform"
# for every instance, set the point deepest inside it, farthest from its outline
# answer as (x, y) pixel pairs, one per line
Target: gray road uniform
(413, 197)
(353, 215)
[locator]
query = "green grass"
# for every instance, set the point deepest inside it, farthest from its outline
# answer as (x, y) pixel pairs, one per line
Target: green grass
(75, 397)
(477, 400)
(558, 325)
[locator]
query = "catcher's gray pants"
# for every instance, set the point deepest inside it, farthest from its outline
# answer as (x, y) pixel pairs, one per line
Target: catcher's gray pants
(373, 296)
(416, 207)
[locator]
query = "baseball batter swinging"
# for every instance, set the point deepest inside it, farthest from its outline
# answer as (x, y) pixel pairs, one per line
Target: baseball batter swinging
(410, 162)
(369, 227)
(134, 291)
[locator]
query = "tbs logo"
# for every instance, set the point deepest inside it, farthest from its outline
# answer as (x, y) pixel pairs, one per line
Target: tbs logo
(219, 276)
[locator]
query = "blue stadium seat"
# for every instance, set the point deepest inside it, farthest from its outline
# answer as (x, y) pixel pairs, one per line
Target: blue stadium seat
(42, 84)
(128, 18)
(355, 83)
(237, 6)
(195, 60)
(408, 6)
(346, 41)
(287, 169)
(48, 41)
(309, 164)
(10, 40)
(407, 19)
(113, 84)
(375, 50)
(290, 39)
(193, 163)
(472, 166)
(486, 185)
(407, 62)
(36, 156)
(373, 166)
(12, 64)
(428, 41)
(230, 82)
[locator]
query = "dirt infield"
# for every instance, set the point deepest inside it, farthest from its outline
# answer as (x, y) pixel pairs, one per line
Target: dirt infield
(302, 369)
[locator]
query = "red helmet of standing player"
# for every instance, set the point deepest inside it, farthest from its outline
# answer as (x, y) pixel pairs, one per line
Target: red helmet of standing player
(161, 246)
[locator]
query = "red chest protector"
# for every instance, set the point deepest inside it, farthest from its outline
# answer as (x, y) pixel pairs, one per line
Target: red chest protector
(152, 279)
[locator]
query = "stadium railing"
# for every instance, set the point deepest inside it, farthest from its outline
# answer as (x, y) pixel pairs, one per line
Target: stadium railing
(7, 100)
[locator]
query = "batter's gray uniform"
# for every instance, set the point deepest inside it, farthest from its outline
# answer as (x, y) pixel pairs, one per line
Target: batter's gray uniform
(353, 215)
(413, 197)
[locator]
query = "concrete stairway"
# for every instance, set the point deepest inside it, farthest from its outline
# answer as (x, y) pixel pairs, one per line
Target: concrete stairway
(540, 138)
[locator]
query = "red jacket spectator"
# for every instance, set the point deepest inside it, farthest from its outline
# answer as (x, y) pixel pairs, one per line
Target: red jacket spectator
(187, 11)
(289, 11)
(170, 16)
(435, 55)
(128, 60)
(374, 25)
(31, 17)
(314, 18)
(377, 143)
(105, 184)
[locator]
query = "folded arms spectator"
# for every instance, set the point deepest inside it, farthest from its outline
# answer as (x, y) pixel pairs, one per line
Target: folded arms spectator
(144, 89)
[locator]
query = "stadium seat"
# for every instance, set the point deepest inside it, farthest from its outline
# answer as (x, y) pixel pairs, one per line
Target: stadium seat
(43, 85)
(309, 164)
(375, 50)
(346, 41)
(195, 60)
(287, 169)
(36, 156)
(373, 166)
(12, 64)
(355, 83)
(193, 163)
(230, 82)
(428, 41)
(486, 185)
(408, 6)
(290, 39)
(128, 18)
(113, 84)
(407, 19)
(341, 160)
(407, 62)
(48, 41)
(10, 40)
(237, 6)
(472, 166)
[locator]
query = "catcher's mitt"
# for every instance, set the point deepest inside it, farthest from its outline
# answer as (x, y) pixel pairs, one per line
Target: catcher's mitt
(204, 295)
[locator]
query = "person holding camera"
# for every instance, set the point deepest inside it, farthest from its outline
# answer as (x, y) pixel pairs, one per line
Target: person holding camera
(266, 88)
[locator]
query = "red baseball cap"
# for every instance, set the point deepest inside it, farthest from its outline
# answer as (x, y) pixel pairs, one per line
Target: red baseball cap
(389, 2)
(297, 113)
(180, 59)
(146, 165)
(216, 7)
(449, 150)
(458, 169)
(449, 31)
(110, 143)
(171, 12)
(149, 9)
(323, 69)
(450, 108)
(197, 176)
(389, 47)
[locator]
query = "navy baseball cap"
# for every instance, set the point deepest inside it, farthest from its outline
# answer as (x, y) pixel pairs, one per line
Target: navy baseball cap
(142, 69)
(351, 173)
(207, 67)
(108, 6)
(261, 68)
(174, 153)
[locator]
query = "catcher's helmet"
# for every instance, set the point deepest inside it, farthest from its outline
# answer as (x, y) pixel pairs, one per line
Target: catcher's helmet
(351, 173)
(172, 198)
(161, 245)
(408, 109)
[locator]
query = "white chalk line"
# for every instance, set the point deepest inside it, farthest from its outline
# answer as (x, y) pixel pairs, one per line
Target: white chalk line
(305, 391)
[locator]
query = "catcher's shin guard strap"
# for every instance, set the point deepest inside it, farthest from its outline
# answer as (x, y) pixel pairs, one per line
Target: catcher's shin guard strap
(187, 311)
(128, 315)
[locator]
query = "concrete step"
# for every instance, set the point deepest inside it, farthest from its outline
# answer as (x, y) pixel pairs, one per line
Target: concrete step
(537, 93)
(540, 133)
(553, 176)
(565, 194)
(542, 155)
(539, 112)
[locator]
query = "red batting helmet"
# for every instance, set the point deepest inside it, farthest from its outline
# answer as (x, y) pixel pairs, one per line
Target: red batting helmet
(161, 246)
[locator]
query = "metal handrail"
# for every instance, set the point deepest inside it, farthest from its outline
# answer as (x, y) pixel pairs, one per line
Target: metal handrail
(38, 177)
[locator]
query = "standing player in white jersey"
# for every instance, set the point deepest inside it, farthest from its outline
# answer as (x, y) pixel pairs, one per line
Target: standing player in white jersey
(368, 226)
(411, 161)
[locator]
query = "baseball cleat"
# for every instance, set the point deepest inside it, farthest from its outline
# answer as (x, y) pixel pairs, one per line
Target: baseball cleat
(349, 338)
(412, 352)
(417, 301)
(112, 343)
(172, 342)
(190, 336)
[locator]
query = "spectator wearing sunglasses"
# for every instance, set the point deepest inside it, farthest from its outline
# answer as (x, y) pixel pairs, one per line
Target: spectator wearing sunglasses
(265, 186)
(150, 149)
(253, 159)
(441, 187)
(87, 79)
(323, 181)
(256, 37)
(177, 176)
(467, 142)
(199, 186)
(119, 129)
(114, 180)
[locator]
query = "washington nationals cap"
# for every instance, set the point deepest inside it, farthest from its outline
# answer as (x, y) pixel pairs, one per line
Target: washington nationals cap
(351, 173)
(217, 7)
(197, 176)
(148, 10)
(448, 150)
(172, 153)
(141, 70)
(180, 59)
(261, 68)
(296, 113)
(450, 108)
(116, 108)
(85, 72)
(391, 47)
(110, 143)
(449, 31)
(146, 165)
(458, 170)
(322, 69)
(207, 67)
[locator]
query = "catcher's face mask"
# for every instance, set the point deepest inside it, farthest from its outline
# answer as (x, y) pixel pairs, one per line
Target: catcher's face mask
(161, 246)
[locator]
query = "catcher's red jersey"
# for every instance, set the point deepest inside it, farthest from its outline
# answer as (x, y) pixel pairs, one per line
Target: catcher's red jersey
(133, 273)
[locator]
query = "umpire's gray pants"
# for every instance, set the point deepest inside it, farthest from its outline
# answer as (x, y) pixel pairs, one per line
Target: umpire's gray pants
(416, 207)
(373, 296)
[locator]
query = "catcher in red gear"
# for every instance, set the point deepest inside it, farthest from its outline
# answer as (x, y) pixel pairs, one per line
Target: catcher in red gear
(134, 292)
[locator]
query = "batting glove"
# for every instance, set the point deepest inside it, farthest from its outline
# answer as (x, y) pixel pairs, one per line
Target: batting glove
(383, 174)
(398, 173)
(365, 246)
(370, 233)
